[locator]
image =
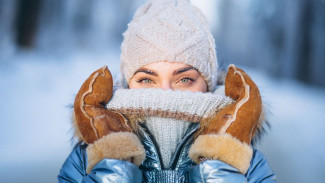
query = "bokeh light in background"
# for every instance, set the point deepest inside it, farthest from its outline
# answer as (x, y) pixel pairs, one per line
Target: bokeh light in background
(49, 47)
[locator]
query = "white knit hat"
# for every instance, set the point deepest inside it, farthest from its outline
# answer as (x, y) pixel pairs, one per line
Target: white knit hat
(169, 30)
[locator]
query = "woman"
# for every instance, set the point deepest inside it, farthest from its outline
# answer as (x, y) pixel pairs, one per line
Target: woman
(170, 123)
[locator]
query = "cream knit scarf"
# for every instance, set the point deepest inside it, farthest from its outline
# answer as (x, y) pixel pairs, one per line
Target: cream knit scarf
(167, 114)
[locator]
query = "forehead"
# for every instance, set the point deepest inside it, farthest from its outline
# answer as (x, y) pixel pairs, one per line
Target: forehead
(165, 65)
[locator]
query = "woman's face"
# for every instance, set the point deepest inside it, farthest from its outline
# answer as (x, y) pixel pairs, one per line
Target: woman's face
(169, 75)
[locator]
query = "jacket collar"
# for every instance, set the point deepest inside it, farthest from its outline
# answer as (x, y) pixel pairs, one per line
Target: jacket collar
(179, 160)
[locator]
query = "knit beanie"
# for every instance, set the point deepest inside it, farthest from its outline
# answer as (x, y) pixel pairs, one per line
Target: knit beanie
(169, 30)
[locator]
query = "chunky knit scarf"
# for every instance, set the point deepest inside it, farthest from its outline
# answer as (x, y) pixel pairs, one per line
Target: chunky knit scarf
(166, 113)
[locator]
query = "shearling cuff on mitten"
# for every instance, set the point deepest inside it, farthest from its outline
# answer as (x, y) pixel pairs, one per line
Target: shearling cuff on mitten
(224, 148)
(120, 145)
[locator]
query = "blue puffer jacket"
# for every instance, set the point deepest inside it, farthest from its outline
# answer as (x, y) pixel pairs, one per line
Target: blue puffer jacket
(181, 168)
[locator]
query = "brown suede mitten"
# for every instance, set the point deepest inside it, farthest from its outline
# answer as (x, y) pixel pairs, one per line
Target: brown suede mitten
(107, 132)
(228, 136)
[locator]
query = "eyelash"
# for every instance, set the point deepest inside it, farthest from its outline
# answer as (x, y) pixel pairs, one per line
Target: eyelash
(145, 80)
(141, 80)
(191, 80)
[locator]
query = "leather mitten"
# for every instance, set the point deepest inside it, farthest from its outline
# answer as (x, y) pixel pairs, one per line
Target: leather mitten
(107, 132)
(228, 135)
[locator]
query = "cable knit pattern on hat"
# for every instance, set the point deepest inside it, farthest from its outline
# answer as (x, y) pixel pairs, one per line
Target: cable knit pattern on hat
(169, 30)
(182, 105)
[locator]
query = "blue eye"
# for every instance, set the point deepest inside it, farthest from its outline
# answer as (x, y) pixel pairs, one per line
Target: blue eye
(186, 80)
(145, 81)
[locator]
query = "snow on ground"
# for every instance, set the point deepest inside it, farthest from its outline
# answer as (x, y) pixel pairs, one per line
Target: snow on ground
(37, 91)
(294, 146)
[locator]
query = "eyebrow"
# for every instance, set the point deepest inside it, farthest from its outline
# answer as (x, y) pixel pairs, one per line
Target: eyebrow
(147, 71)
(150, 72)
(184, 70)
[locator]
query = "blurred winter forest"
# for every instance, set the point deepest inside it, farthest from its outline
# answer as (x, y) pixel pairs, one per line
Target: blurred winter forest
(49, 47)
